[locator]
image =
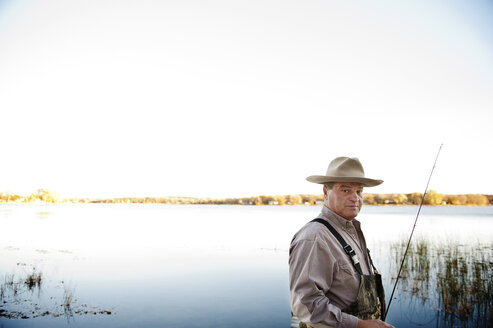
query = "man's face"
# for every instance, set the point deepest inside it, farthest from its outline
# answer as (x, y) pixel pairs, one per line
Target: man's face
(345, 199)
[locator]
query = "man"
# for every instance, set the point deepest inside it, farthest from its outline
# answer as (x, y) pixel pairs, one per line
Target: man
(332, 280)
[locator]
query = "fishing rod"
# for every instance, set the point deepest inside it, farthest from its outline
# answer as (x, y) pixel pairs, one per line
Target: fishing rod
(412, 231)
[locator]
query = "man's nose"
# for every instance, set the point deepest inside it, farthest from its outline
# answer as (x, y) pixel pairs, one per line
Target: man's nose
(354, 197)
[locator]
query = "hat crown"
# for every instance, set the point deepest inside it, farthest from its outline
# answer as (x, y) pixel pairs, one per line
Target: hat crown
(346, 167)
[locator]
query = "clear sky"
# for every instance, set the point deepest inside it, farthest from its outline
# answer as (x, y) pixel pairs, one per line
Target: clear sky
(239, 98)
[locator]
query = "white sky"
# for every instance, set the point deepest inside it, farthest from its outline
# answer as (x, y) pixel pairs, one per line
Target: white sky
(241, 98)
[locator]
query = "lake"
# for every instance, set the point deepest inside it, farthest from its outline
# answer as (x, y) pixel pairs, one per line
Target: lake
(113, 265)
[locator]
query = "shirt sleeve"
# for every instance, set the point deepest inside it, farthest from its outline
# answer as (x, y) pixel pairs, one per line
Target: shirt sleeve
(311, 270)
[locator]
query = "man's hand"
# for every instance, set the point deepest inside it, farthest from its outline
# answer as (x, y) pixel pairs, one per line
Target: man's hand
(373, 324)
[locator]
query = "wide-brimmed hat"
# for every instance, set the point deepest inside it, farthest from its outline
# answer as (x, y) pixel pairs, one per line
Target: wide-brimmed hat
(345, 169)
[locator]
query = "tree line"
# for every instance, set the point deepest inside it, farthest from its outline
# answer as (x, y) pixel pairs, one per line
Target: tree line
(431, 198)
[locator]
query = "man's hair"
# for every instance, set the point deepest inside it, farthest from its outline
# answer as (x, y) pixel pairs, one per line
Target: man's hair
(329, 185)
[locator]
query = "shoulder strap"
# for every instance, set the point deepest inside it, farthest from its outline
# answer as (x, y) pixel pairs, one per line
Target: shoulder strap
(347, 248)
(371, 261)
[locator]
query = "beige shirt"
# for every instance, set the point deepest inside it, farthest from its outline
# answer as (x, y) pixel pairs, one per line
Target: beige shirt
(322, 277)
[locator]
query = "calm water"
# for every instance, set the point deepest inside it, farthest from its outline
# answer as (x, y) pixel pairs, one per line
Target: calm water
(223, 266)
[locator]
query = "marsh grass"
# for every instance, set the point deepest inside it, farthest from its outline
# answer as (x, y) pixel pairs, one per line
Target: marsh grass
(68, 298)
(453, 278)
(12, 286)
(13, 290)
(465, 290)
(17, 300)
(33, 280)
(6, 286)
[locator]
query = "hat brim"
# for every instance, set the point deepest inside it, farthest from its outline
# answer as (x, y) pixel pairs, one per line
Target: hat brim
(321, 179)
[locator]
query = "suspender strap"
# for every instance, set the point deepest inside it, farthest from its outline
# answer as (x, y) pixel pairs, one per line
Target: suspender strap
(371, 261)
(347, 248)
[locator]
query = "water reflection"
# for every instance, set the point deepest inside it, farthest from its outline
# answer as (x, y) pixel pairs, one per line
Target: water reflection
(454, 279)
(43, 215)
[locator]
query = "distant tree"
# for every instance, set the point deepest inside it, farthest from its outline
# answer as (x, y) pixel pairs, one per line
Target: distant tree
(477, 200)
(433, 198)
(398, 199)
(369, 199)
(455, 199)
(260, 200)
(280, 199)
(9, 197)
(295, 199)
(48, 196)
(414, 198)
(379, 199)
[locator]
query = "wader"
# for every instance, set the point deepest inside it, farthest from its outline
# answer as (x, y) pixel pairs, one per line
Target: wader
(370, 303)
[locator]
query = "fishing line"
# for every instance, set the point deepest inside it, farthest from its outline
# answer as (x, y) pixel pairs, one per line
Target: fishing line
(412, 231)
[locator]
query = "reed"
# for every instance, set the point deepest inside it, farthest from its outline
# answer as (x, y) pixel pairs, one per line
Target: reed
(18, 302)
(33, 280)
(9, 286)
(68, 298)
(462, 274)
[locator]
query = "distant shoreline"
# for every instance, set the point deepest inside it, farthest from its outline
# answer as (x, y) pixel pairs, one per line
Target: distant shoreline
(431, 198)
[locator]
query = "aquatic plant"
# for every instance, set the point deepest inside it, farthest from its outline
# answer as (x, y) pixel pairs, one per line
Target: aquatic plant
(462, 274)
(465, 290)
(14, 307)
(33, 280)
(68, 297)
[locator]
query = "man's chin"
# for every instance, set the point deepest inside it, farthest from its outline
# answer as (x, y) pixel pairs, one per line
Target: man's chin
(352, 213)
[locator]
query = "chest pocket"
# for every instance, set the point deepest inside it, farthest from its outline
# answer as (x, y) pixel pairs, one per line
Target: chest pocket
(347, 268)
